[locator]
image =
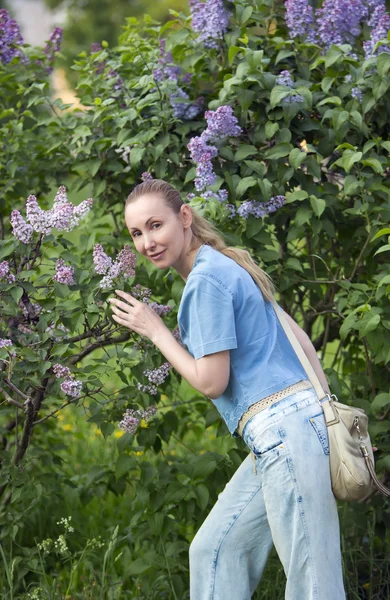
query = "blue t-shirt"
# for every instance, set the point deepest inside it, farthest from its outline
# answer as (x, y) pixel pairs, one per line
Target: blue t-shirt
(222, 308)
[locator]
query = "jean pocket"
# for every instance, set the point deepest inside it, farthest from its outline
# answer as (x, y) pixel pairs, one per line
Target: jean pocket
(319, 426)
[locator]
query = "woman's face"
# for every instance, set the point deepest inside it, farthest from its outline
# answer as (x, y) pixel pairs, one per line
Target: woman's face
(157, 231)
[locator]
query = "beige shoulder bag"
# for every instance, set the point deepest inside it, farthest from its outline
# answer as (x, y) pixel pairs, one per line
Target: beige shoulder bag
(350, 450)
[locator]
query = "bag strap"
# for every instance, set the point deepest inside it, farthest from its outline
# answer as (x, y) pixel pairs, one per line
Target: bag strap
(299, 352)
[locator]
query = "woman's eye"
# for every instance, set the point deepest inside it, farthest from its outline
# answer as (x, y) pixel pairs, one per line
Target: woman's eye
(158, 224)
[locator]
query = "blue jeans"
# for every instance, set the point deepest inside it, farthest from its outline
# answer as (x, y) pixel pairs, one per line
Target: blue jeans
(288, 503)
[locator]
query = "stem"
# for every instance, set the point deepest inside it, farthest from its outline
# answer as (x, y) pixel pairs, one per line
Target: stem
(168, 569)
(11, 400)
(369, 367)
(15, 389)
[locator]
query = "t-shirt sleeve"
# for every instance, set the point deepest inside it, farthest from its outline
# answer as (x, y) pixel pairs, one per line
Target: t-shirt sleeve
(206, 322)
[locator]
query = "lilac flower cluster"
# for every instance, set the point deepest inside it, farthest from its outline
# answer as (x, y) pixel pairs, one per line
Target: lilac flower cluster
(50, 329)
(221, 195)
(284, 78)
(210, 20)
(70, 386)
(132, 418)
(143, 294)
(159, 375)
(260, 209)
(10, 37)
(64, 274)
(5, 272)
(112, 76)
(52, 47)
(146, 176)
(62, 216)
(232, 210)
(337, 21)
(5, 343)
(357, 93)
(170, 73)
(124, 265)
(221, 124)
(380, 22)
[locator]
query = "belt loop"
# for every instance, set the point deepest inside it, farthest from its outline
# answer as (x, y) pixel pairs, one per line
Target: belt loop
(254, 462)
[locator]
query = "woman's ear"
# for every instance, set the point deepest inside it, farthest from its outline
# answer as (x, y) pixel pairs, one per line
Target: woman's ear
(186, 215)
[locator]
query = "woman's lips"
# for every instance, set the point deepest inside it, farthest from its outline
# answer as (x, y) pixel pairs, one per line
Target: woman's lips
(157, 256)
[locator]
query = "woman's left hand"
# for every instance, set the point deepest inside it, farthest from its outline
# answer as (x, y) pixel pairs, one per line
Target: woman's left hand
(136, 315)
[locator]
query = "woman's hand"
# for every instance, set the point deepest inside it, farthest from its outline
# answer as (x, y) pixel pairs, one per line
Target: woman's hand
(136, 315)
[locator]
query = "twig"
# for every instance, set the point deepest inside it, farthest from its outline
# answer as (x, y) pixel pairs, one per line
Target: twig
(53, 413)
(121, 338)
(15, 389)
(11, 400)
(369, 366)
(359, 258)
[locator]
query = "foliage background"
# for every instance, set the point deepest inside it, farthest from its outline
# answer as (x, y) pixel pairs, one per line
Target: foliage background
(146, 495)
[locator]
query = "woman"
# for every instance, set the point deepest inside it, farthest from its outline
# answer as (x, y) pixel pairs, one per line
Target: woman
(239, 356)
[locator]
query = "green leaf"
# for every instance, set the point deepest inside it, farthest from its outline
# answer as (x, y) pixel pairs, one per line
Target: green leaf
(278, 151)
(297, 195)
(318, 205)
(124, 463)
(253, 226)
(282, 54)
(348, 324)
(333, 55)
(245, 15)
(202, 496)
(384, 281)
(386, 145)
(136, 155)
(385, 248)
(350, 158)
(137, 567)
(303, 215)
(297, 157)
(381, 400)
(351, 185)
(383, 63)
(245, 98)
(332, 100)
(244, 184)
(294, 263)
(278, 93)
(374, 164)
(369, 325)
(233, 50)
(16, 293)
(257, 167)
(243, 151)
(270, 129)
(384, 231)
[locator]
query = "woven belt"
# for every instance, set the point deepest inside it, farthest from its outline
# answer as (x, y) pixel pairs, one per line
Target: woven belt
(265, 402)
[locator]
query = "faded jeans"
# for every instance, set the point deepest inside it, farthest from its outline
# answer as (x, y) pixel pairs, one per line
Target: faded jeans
(288, 503)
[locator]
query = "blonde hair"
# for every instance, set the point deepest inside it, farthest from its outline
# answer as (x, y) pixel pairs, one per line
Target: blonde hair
(205, 232)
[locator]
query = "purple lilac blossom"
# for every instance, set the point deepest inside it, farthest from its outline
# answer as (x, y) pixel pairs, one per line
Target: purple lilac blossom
(260, 209)
(64, 274)
(221, 124)
(53, 46)
(61, 371)
(232, 210)
(146, 176)
(124, 264)
(132, 418)
(5, 273)
(10, 37)
(284, 78)
(159, 375)
(147, 389)
(210, 20)
(338, 21)
(300, 19)
(357, 93)
(72, 387)
(21, 230)
(293, 98)
(179, 100)
(4, 343)
(380, 21)
(62, 216)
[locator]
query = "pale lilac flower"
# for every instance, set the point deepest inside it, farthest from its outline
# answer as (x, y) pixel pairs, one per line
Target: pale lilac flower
(210, 20)
(146, 176)
(161, 309)
(21, 230)
(357, 93)
(348, 79)
(293, 98)
(260, 209)
(232, 210)
(96, 47)
(64, 274)
(159, 375)
(72, 387)
(10, 37)
(101, 261)
(25, 330)
(147, 389)
(300, 19)
(284, 78)
(4, 343)
(221, 123)
(140, 293)
(5, 272)
(129, 423)
(127, 261)
(50, 329)
(61, 371)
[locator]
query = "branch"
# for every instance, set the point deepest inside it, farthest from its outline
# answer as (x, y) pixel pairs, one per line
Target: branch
(369, 366)
(110, 341)
(11, 400)
(53, 413)
(15, 389)
(359, 258)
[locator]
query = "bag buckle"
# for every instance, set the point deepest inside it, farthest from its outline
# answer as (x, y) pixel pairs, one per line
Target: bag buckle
(331, 415)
